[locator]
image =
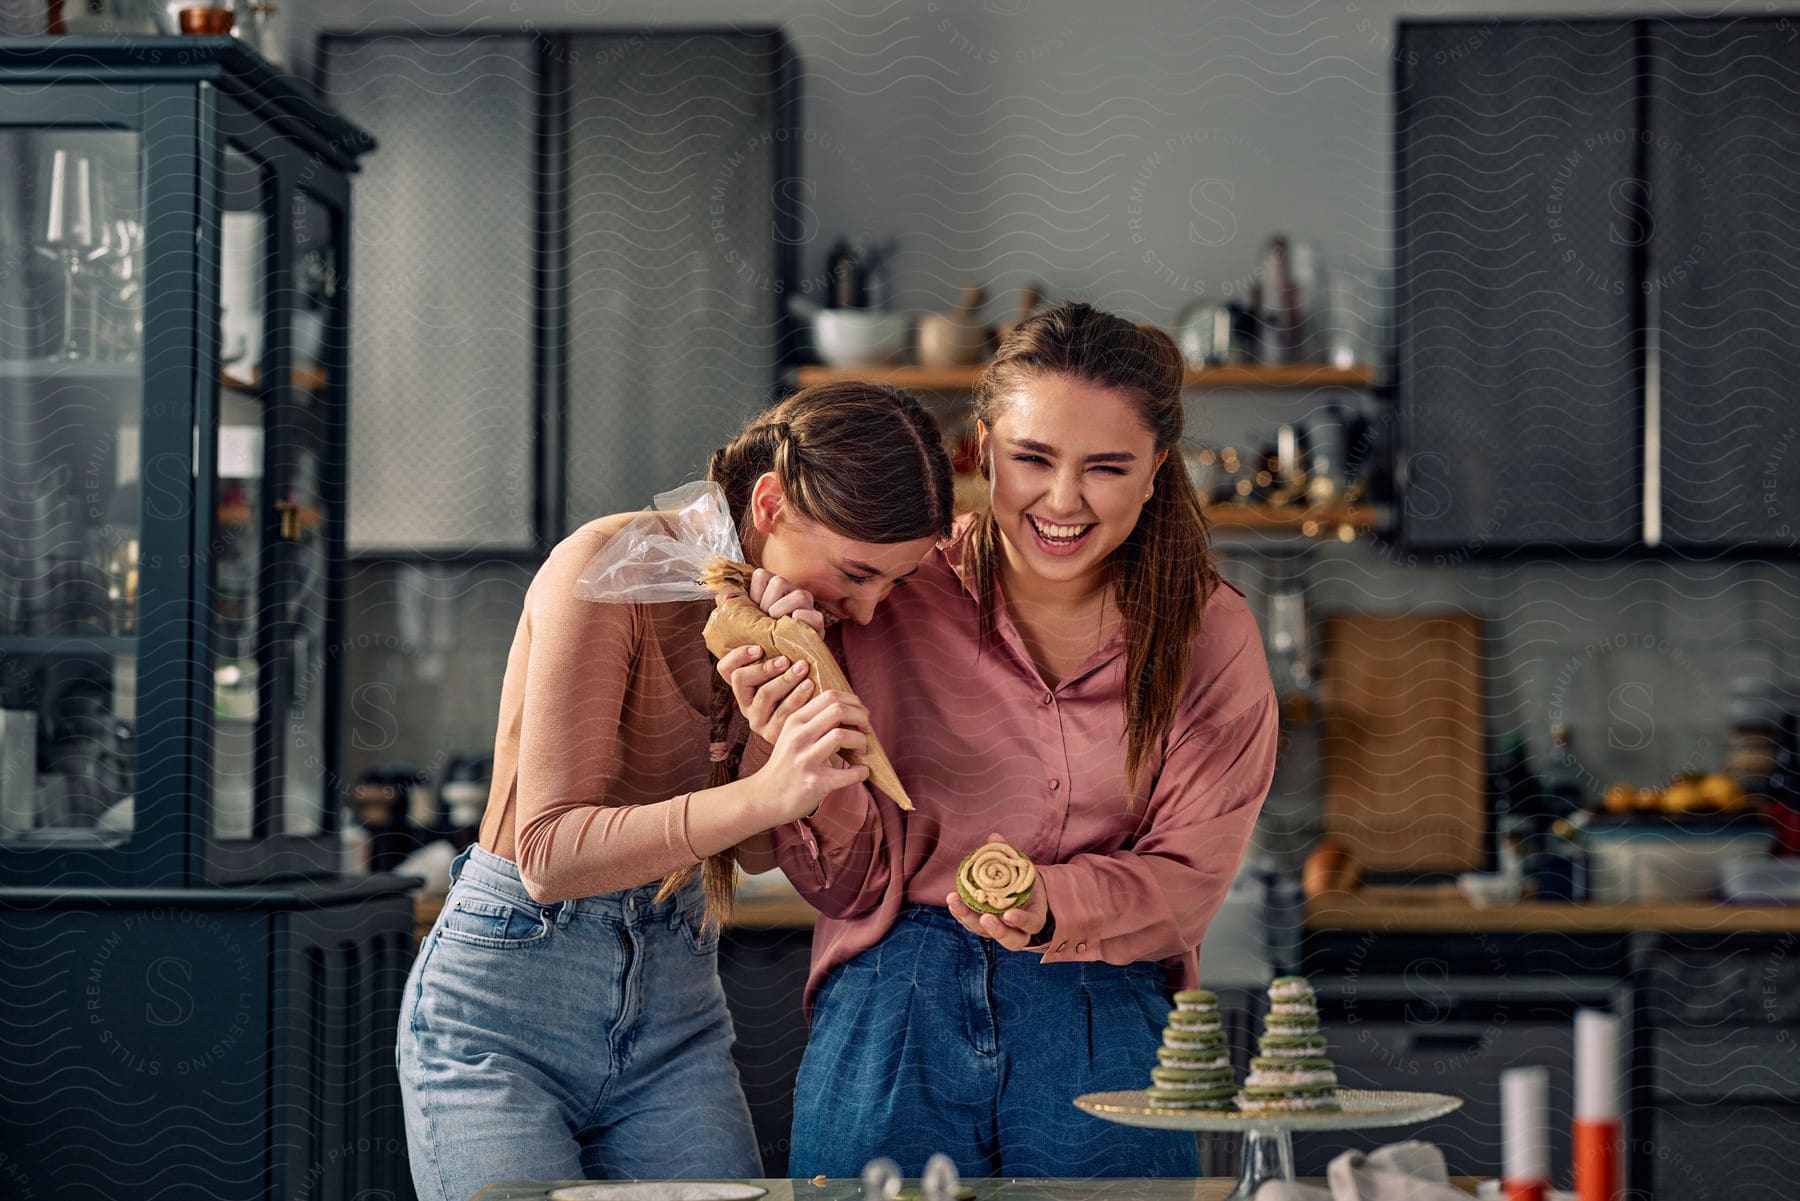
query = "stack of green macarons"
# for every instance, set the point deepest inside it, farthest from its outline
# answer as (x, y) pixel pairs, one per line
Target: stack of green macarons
(1195, 1071)
(1291, 1072)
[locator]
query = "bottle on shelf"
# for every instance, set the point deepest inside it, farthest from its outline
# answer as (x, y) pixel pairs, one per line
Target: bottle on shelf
(1276, 300)
(1566, 788)
(844, 276)
(1517, 796)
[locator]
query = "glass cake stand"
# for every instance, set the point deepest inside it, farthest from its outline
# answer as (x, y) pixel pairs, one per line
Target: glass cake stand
(1268, 1138)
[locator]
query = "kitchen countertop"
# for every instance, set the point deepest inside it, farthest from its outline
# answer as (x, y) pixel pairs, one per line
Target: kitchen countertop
(1441, 908)
(1184, 1188)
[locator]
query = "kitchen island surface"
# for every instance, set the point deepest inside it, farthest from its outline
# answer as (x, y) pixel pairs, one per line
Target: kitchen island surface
(1182, 1188)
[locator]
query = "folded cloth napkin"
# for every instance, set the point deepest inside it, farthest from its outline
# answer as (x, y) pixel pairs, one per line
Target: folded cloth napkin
(1409, 1171)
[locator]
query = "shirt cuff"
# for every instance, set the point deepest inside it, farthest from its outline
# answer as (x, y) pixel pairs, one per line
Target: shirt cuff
(1075, 920)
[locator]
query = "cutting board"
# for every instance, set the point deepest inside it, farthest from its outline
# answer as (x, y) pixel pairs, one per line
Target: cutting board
(1403, 744)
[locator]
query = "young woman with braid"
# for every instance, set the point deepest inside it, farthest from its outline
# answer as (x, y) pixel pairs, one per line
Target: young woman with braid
(1070, 673)
(564, 1018)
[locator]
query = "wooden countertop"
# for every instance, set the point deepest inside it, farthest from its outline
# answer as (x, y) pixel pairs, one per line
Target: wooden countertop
(1442, 909)
(1180, 1188)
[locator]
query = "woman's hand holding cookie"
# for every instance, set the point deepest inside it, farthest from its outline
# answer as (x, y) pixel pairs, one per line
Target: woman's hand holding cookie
(1014, 928)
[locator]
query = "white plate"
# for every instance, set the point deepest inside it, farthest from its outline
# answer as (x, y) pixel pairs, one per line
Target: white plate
(660, 1190)
(1358, 1109)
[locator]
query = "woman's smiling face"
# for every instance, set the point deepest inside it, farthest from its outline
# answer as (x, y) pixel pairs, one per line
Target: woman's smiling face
(1071, 466)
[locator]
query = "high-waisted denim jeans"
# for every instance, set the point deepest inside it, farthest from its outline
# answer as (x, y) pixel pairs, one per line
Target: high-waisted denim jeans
(586, 1039)
(936, 1039)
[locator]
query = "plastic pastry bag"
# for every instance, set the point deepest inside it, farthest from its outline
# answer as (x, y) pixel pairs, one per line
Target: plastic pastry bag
(687, 549)
(661, 555)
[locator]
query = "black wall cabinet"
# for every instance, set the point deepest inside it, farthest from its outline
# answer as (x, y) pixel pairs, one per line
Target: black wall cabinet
(1598, 315)
(572, 275)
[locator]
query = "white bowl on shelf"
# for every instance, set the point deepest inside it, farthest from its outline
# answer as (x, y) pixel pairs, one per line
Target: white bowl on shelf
(859, 337)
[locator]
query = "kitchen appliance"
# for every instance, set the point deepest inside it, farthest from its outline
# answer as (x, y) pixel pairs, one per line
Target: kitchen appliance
(1760, 880)
(1665, 858)
(1214, 333)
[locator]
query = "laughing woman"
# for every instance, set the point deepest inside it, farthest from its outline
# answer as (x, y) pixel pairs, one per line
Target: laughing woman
(1070, 673)
(564, 1018)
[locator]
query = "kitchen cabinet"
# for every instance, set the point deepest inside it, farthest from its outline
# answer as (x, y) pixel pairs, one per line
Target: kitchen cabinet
(173, 408)
(220, 1043)
(585, 326)
(1595, 328)
(1430, 1028)
(210, 1008)
(448, 296)
(1719, 1080)
(1722, 413)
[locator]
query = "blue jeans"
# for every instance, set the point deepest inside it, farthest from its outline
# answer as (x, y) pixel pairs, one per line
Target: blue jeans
(583, 1040)
(936, 1039)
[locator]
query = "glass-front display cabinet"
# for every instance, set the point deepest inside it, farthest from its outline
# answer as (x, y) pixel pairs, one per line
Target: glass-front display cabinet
(173, 412)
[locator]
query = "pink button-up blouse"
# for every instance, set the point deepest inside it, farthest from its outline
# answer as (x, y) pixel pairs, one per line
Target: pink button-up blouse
(984, 746)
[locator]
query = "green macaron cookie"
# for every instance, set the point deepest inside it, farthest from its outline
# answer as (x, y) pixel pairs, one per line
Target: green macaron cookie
(1194, 1040)
(1203, 1058)
(1189, 1078)
(1182, 1019)
(1285, 1092)
(1221, 1097)
(1196, 998)
(1269, 1063)
(1275, 1043)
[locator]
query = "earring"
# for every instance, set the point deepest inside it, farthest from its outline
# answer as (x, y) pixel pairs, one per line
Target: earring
(1148, 492)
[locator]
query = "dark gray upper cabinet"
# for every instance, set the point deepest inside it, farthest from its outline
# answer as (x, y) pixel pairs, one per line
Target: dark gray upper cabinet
(671, 281)
(1596, 254)
(1723, 282)
(1518, 352)
(441, 453)
(572, 264)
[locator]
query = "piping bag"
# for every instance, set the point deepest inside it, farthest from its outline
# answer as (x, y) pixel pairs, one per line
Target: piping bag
(686, 548)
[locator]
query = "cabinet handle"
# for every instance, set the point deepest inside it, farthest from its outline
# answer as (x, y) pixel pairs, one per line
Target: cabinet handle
(1652, 413)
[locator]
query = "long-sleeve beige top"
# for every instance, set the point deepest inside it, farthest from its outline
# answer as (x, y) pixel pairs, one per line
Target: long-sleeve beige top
(602, 734)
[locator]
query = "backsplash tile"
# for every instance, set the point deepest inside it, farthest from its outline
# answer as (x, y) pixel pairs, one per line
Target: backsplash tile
(1637, 656)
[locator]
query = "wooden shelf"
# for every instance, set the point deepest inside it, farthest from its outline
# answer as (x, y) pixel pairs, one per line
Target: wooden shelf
(953, 379)
(1265, 519)
(1326, 522)
(1441, 909)
(307, 379)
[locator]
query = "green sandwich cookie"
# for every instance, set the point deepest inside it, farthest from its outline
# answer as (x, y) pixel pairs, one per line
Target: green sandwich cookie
(1297, 1045)
(1197, 1000)
(1182, 1019)
(1220, 1097)
(1190, 1078)
(1194, 1040)
(995, 878)
(1181, 1057)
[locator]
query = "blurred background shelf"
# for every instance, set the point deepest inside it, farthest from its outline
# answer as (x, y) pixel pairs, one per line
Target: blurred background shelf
(947, 379)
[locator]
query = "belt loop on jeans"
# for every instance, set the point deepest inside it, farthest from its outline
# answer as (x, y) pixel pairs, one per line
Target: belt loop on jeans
(456, 864)
(560, 912)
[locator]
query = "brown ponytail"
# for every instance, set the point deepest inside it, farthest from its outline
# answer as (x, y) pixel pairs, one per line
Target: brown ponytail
(865, 461)
(1162, 574)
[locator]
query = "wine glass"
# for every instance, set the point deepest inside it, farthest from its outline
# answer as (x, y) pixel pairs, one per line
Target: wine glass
(73, 225)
